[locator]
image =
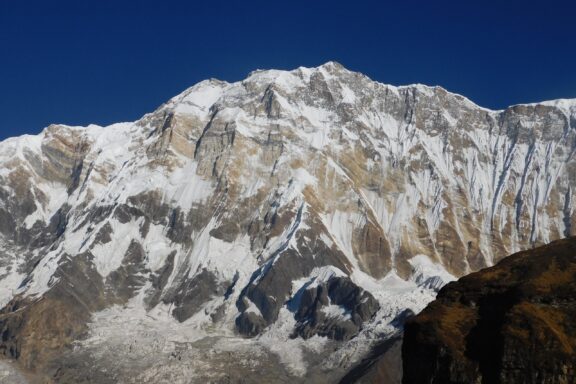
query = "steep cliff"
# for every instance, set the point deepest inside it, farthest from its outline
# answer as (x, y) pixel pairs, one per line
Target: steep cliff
(281, 221)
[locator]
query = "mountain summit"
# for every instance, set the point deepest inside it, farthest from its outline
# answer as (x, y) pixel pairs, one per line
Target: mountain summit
(280, 224)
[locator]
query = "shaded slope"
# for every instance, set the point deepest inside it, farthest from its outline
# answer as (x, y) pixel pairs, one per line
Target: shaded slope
(512, 323)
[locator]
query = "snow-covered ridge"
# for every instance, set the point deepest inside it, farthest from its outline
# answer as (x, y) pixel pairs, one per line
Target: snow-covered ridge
(205, 94)
(332, 70)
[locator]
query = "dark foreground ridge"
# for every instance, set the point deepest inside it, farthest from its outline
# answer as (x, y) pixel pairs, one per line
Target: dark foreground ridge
(511, 323)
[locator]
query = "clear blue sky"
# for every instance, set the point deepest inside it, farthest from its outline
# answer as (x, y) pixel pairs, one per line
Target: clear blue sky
(102, 61)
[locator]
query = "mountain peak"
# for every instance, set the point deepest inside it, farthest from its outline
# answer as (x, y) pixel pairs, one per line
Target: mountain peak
(289, 205)
(332, 66)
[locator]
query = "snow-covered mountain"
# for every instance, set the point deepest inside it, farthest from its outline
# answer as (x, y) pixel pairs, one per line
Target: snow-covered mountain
(269, 230)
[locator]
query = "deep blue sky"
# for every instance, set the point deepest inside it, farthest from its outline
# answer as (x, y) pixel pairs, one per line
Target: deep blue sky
(102, 61)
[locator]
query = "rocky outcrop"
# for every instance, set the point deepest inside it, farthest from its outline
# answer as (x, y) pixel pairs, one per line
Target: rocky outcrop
(512, 323)
(35, 330)
(337, 309)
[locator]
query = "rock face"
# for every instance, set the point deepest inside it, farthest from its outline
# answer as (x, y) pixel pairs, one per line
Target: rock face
(512, 323)
(336, 308)
(304, 208)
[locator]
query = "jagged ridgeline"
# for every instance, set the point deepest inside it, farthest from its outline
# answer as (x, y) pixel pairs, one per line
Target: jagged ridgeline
(299, 213)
